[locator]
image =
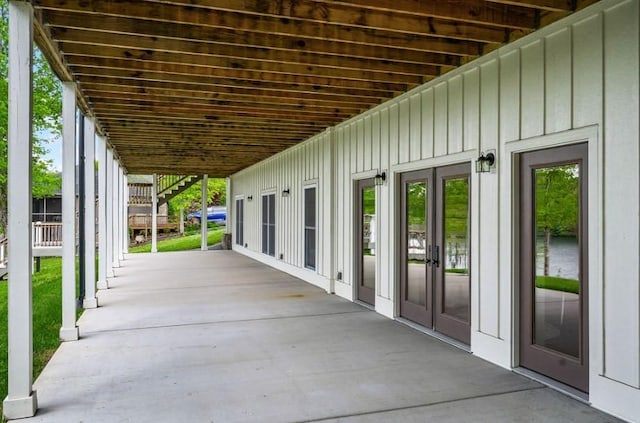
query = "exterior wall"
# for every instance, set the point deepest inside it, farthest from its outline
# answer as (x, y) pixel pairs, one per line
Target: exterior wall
(574, 81)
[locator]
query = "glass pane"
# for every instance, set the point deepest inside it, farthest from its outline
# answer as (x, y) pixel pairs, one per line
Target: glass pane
(455, 254)
(310, 248)
(272, 209)
(272, 240)
(265, 208)
(369, 237)
(416, 194)
(265, 239)
(557, 260)
(310, 207)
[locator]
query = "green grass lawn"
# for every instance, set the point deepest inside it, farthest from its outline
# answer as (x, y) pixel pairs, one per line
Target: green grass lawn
(558, 284)
(47, 318)
(189, 242)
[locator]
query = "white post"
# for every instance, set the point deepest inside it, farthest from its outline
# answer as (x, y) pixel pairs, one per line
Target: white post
(203, 216)
(69, 330)
(21, 399)
(90, 300)
(109, 219)
(230, 205)
(154, 214)
(102, 213)
(121, 207)
(181, 227)
(115, 260)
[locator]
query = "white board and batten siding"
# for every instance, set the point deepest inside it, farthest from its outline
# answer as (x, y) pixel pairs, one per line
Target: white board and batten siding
(574, 81)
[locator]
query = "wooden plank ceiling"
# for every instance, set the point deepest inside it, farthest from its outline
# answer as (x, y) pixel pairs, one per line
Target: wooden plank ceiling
(213, 86)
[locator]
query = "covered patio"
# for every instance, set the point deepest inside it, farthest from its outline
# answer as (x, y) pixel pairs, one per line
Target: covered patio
(215, 336)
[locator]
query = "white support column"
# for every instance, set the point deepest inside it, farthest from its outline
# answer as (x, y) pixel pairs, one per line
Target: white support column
(204, 215)
(69, 329)
(115, 215)
(109, 217)
(154, 214)
(90, 300)
(230, 205)
(21, 399)
(102, 213)
(122, 207)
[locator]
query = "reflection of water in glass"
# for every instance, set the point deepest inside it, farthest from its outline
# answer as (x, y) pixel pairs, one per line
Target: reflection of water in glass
(563, 257)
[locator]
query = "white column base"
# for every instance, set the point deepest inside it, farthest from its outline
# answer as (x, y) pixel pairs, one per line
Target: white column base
(69, 334)
(19, 408)
(90, 303)
(115, 264)
(103, 284)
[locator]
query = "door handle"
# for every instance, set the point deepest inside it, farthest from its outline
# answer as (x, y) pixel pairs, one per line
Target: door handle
(428, 258)
(436, 260)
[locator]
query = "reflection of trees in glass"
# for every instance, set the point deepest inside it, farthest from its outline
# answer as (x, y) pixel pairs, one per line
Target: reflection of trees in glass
(416, 193)
(556, 202)
(369, 201)
(456, 215)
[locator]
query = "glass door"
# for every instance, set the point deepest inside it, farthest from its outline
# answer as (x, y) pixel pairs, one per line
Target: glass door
(451, 259)
(435, 279)
(553, 268)
(366, 241)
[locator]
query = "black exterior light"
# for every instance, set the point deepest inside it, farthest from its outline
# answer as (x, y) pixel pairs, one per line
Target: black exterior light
(286, 192)
(249, 198)
(485, 162)
(380, 178)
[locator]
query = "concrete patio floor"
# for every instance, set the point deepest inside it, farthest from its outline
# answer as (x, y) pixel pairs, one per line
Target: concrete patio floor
(216, 337)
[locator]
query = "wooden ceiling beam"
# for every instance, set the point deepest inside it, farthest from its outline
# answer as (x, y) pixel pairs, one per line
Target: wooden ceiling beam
(135, 122)
(550, 5)
(95, 95)
(209, 106)
(374, 12)
(217, 92)
(230, 76)
(318, 52)
(163, 110)
(143, 77)
(129, 126)
(300, 19)
(230, 66)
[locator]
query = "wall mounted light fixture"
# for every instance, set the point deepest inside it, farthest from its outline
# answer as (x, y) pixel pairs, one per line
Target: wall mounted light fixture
(380, 178)
(249, 198)
(286, 192)
(485, 162)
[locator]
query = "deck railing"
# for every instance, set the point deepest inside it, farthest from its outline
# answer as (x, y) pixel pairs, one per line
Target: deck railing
(140, 194)
(47, 234)
(143, 221)
(3, 253)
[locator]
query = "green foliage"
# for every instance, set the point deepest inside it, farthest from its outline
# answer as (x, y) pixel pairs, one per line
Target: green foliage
(47, 319)
(557, 199)
(558, 284)
(190, 242)
(190, 199)
(47, 109)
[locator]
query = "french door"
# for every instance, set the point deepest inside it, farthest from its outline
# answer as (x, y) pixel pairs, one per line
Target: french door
(365, 241)
(435, 259)
(553, 264)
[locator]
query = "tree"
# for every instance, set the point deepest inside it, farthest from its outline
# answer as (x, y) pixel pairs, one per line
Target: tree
(47, 109)
(557, 191)
(190, 199)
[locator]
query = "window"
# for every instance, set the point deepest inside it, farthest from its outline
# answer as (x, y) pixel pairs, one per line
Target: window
(269, 224)
(240, 221)
(310, 228)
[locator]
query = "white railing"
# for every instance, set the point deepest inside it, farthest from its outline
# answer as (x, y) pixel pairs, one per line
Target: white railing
(46, 234)
(3, 253)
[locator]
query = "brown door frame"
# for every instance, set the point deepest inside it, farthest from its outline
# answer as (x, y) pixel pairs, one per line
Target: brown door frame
(564, 368)
(363, 293)
(432, 315)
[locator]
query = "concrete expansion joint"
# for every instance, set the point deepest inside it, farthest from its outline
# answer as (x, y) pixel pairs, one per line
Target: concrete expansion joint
(428, 404)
